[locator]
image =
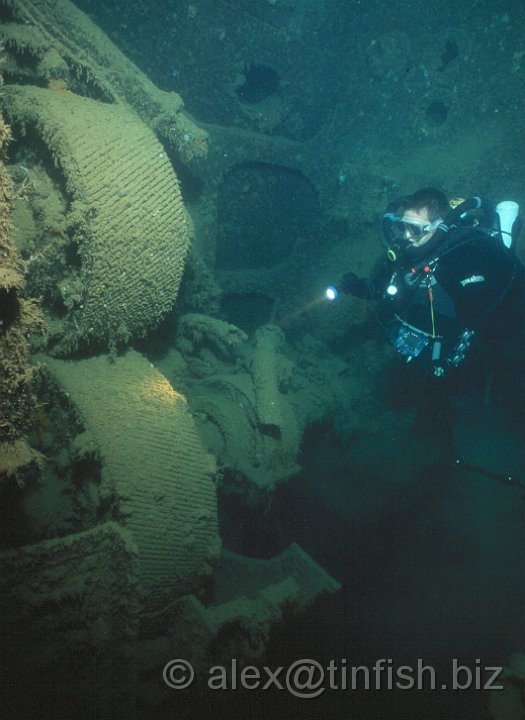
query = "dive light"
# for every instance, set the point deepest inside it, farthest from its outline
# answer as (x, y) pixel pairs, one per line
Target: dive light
(331, 293)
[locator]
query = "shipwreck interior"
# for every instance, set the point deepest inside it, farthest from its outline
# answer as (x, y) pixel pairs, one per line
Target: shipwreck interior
(201, 458)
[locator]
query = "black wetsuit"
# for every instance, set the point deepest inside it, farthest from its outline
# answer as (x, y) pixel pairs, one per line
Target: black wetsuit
(468, 290)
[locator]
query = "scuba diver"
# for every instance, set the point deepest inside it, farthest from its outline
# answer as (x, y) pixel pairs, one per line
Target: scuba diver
(450, 281)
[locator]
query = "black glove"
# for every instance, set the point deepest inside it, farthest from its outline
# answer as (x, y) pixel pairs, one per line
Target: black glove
(352, 284)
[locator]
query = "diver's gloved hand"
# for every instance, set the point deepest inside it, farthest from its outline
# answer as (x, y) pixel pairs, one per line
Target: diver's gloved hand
(352, 284)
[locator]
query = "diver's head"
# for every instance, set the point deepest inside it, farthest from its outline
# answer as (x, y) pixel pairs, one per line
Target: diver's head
(418, 228)
(410, 222)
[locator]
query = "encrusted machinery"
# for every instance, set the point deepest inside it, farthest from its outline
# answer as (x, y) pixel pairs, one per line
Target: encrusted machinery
(155, 473)
(137, 590)
(56, 42)
(18, 316)
(125, 218)
(108, 262)
(104, 238)
(71, 609)
(75, 99)
(253, 398)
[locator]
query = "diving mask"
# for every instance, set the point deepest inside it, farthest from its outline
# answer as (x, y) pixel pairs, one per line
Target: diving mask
(406, 230)
(415, 230)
